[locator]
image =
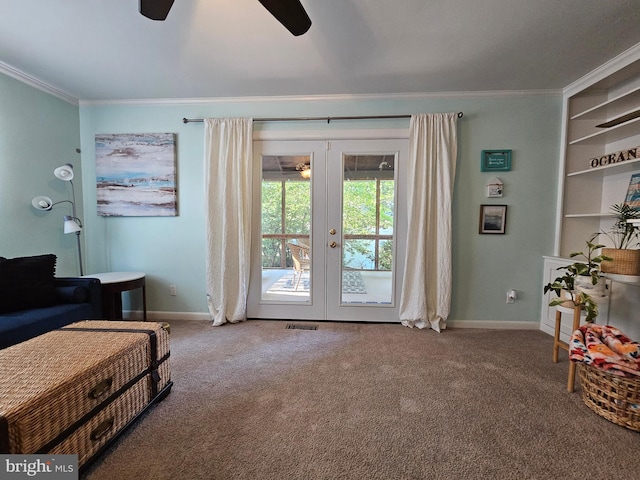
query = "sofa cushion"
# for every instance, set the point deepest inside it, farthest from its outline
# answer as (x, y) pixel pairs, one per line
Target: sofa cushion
(17, 327)
(27, 282)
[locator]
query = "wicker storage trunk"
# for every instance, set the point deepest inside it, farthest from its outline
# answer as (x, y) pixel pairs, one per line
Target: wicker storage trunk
(73, 390)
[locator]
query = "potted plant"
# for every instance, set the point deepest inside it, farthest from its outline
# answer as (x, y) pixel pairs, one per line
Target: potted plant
(625, 237)
(581, 282)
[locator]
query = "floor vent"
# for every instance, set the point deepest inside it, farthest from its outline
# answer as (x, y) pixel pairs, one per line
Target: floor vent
(299, 326)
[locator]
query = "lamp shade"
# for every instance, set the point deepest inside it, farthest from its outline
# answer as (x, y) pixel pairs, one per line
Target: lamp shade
(70, 225)
(42, 203)
(64, 172)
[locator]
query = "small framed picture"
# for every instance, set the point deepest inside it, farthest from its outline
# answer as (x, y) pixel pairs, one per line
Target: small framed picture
(493, 219)
(633, 192)
(495, 161)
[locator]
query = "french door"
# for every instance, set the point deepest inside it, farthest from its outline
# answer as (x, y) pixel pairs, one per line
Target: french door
(329, 227)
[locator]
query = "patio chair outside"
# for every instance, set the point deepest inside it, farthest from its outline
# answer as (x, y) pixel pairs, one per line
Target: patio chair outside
(300, 254)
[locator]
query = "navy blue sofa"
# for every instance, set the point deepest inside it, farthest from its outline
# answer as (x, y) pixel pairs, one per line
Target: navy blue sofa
(31, 306)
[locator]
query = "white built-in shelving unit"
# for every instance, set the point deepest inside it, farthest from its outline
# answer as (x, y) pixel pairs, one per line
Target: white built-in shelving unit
(608, 95)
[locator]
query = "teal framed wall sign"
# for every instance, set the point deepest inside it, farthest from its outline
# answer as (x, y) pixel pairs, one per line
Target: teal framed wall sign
(495, 161)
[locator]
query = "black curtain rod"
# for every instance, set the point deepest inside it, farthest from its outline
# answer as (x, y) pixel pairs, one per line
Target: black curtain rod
(328, 119)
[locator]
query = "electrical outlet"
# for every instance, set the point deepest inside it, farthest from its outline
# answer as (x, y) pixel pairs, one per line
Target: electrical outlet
(172, 290)
(511, 296)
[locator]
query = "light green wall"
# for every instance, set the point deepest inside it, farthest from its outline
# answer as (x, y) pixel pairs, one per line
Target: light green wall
(38, 132)
(172, 250)
(486, 266)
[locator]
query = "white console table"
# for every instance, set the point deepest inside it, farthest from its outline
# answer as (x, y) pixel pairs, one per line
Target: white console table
(113, 284)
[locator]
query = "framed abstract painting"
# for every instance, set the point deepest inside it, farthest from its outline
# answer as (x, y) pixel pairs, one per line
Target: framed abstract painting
(136, 175)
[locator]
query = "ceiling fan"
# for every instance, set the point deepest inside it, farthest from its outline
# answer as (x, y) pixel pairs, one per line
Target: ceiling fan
(289, 13)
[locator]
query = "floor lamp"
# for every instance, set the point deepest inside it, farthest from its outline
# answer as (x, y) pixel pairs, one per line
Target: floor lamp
(72, 223)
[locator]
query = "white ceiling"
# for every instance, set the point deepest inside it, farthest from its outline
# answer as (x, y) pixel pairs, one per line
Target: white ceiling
(105, 50)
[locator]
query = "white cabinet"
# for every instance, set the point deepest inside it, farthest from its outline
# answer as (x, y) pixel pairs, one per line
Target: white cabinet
(548, 316)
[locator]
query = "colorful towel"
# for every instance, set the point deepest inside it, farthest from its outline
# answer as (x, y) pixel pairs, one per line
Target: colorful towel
(606, 348)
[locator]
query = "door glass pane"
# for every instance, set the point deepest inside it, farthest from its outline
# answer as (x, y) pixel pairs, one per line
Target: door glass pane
(286, 226)
(368, 210)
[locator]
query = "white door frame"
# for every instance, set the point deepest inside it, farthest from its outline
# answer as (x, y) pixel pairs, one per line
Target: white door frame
(315, 310)
(363, 311)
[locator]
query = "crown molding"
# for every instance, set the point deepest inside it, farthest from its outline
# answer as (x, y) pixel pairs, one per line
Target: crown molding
(616, 63)
(318, 98)
(37, 83)
(47, 88)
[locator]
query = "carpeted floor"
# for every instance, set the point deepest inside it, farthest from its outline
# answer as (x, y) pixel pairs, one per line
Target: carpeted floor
(256, 400)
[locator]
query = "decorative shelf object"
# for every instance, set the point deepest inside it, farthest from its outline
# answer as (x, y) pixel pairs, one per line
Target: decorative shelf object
(613, 134)
(621, 167)
(620, 120)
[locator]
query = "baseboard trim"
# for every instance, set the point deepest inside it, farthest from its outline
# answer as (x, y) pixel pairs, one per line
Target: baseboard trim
(493, 324)
(204, 316)
(156, 316)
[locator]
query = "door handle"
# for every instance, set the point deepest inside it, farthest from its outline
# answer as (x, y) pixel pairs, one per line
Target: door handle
(332, 231)
(333, 244)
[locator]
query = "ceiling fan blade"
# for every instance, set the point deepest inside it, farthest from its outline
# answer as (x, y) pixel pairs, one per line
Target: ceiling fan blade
(155, 9)
(289, 13)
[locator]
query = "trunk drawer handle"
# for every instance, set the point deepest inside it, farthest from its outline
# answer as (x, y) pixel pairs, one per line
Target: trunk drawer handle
(101, 388)
(102, 429)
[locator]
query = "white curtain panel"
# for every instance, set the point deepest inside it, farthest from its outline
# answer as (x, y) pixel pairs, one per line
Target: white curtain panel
(228, 159)
(426, 289)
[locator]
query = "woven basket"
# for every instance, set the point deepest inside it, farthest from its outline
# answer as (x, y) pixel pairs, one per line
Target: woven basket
(615, 398)
(625, 262)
